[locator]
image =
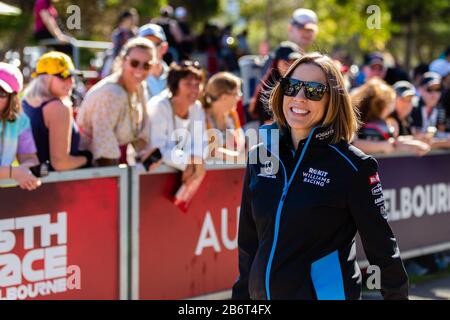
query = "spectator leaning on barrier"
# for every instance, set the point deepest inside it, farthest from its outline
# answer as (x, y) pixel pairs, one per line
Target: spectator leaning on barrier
(157, 80)
(442, 66)
(376, 101)
(46, 103)
(306, 195)
(429, 115)
(113, 113)
(16, 138)
(219, 99)
(177, 121)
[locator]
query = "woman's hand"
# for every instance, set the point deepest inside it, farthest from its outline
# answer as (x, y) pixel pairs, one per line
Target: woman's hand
(192, 173)
(25, 178)
(144, 154)
(418, 147)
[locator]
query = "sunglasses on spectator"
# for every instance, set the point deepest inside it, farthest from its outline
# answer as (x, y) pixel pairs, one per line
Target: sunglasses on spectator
(430, 90)
(60, 76)
(137, 64)
(189, 63)
(3, 94)
(376, 67)
(313, 90)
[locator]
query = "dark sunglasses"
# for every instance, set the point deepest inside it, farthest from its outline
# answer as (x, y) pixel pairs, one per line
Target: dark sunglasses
(60, 76)
(313, 90)
(430, 90)
(136, 64)
(189, 63)
(376, 67)
(4, 94)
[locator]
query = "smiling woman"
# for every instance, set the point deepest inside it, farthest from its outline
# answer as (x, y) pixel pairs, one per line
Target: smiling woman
(297, 229)
(113, 113)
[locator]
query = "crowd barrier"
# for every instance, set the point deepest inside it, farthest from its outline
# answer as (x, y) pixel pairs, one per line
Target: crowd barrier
(117, 230)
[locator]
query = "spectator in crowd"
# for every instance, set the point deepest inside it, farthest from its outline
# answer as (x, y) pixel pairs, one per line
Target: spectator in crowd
(126, 29)
(442, 66)
(418, 73)
(383, 66)
(113, 113)
(16, 138)
(394, 72)
(172, 31)
(374, 67)
(429, 118)
(157, 80)
(227, 51)
(46, 102)
(376, 101)
(243, 48)
(177, 121)
(284, 56)
(303, 28)
(429, 115)
(46, 25)
(405, 100)
(209, 42)
(219, 99)
(187, 42)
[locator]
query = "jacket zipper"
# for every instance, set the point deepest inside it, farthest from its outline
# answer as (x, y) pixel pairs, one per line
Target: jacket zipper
(280, 208)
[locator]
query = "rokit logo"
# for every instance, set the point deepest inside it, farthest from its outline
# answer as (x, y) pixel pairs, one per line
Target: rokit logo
(377, 190)
(33, 257)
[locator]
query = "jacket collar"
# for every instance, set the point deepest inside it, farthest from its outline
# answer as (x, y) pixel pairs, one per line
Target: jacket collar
(319, 135)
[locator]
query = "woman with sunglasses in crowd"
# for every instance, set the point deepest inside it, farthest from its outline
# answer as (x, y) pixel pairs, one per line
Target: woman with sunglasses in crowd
(113, 113)
(306, 194)
(16, 138)
(46, 102)
(177, 121)
(219, 99)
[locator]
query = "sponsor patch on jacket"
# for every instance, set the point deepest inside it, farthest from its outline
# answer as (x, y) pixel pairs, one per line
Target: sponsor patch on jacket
(379, 201)
(374, 179)
(377, 190)
(316, 177)
(324, 135)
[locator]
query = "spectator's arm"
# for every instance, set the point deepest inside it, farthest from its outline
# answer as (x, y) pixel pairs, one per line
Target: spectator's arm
(26, 148)
(53, 27)
(28, 159)
(374, 146)
(58, 118)
(161, 137)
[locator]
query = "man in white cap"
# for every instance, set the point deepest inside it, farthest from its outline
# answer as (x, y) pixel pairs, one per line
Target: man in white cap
(303, 28)
(157, 80)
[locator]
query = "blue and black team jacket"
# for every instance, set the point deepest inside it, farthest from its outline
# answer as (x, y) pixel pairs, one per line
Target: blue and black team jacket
(298, 224)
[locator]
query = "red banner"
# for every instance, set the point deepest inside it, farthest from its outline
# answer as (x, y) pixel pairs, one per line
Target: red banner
(184, 255)
(60, 241)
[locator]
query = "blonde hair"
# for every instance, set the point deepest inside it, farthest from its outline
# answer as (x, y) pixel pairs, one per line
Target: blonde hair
(219, 84)
(38, 90)
(340, 114)
(372, 98)
(138, 42)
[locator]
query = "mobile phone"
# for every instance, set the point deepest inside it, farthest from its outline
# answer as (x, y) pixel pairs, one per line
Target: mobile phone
(41, 170)
(152, 158)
